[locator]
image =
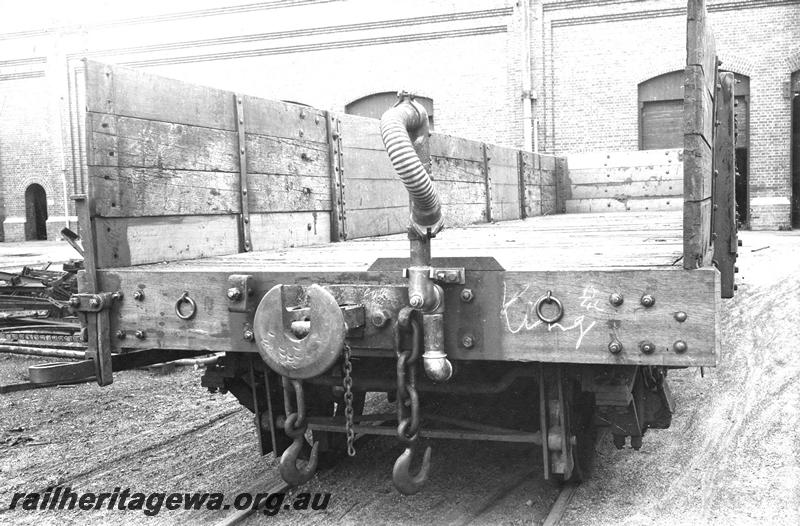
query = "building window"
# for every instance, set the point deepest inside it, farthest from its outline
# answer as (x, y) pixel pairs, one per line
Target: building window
(376, 104)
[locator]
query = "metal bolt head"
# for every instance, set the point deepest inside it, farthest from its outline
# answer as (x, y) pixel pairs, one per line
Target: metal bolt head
(138, 294)
(647, 347)
(648, 300)
(248, 335)
(679, 346)
(680, 316)
(75, 301)
(234, 293)
(615, 347)
(416, 301)
(467, 295)
(452, 277)
(140, 334)
(379, 318)
(94, 302)
(120, 334)
(616, 299)
(467, 342)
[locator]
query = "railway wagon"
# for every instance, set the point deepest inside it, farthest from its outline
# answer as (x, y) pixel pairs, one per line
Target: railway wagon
(557, 291)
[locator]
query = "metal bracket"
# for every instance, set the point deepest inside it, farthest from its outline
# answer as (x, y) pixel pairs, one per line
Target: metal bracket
(246, 241)
(336, 166)
(240, 293)
(444, 275)
(84, 302)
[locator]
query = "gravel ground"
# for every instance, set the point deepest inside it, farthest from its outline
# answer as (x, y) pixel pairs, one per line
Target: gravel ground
(731, 455)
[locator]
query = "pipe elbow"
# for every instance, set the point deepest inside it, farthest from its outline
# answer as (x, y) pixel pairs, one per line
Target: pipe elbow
(437, 368)
(401, 127)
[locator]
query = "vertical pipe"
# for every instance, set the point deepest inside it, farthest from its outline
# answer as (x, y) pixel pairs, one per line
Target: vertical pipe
(528, 134)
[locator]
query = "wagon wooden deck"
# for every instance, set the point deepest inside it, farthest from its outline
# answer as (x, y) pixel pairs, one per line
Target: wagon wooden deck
(621, 240)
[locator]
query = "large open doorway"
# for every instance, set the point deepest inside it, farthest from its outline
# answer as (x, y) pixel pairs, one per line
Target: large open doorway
(35, 213)
(796, 149)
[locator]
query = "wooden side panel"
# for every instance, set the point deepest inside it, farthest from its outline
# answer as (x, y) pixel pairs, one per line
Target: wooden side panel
(459, 173)
(163, 164)
(724, 221)
(698, 109)
(538, 172)
(623, 181)
(503, 177)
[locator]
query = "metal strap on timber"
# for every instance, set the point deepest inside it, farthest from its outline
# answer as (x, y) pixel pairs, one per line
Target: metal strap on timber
(336, 166)
(97, 322)
(245, 241)
(488, 180)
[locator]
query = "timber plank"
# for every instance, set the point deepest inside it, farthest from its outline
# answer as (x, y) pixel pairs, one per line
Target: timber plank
(374, 194)
(283, 119)
(654, 187)
(698, 167)
(451, 147)
(583, 333)
(275, 155)
(134, 93)
(136, 192)
(288, 193)
(629, 159)
(142, 240)
(580, 206)
(360, 163)
(360, 132)
(697, 233)
(377, 222)
(452, 169)
(276, 230)
(700, 43)
(724, 198)
(698, 105)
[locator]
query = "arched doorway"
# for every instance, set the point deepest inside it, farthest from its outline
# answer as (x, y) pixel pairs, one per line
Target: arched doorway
(35, 213)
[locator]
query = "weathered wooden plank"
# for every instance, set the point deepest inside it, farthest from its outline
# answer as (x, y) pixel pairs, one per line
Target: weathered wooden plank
(724, 198)
(367, 164)
(141, 240)
(143, 143)
(283, 119)
(452, 169)
(697, 247)
(700, 44)
(581, 206)
(463, 214)
(697, 169)
(698, 105)
(627, 159)
(654, 187)
(274, 231)
(360, 132)
(374, 193)
(288, 193)
(549, 200)
(503, 174)
(583, 333)
(136, 192)
(451, 147)
(377, 222)
(134, 93)
(273, 155)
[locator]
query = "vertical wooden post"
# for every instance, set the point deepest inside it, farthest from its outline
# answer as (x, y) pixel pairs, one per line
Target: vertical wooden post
(725, 244)
(521, 181)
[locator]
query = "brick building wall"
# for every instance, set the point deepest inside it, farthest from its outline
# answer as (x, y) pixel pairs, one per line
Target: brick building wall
(592, 55)
(465, 55)
(587, 58)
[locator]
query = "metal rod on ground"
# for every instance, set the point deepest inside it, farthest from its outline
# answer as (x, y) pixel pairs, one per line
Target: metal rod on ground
(42, 351)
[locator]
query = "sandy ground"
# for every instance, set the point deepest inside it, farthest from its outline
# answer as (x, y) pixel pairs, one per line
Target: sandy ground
(14, 256)
(732, 454)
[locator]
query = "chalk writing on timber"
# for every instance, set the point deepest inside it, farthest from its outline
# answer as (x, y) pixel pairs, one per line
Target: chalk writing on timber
(519, 312)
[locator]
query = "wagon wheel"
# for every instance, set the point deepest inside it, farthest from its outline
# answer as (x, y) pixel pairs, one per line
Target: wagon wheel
(580, 430)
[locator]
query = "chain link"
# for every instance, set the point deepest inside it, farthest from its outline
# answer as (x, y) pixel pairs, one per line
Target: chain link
(408, 417)
(348, 401)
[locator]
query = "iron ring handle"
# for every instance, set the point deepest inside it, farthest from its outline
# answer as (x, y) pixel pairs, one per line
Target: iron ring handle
(549, 298)
(192, 307)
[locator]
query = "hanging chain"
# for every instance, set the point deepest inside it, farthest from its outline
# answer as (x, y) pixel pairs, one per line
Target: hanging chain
(348, 401)
(408, 418)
